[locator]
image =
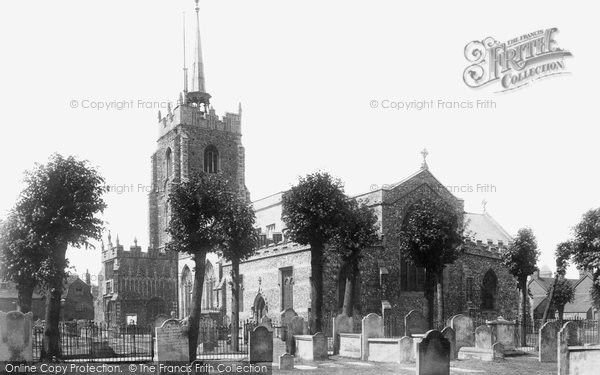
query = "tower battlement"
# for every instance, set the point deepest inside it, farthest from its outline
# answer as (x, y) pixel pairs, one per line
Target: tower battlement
(119, 251)
(185, 114)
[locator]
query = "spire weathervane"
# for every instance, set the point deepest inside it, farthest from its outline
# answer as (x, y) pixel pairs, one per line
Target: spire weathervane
(199, 63)
(484, 204)
(424, 165)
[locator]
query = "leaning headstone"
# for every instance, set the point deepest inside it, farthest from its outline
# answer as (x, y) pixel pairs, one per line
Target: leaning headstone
(260, 346)
(286, 362)
(463, 328)
(171, 342)
(341, 324)
(498, 351)
(433, 354)
(548, 342)
(407, 351)
(503, 331)
(483, 337)
(414, 323)
(16, 336)
(372, 327)
(450, 335)
(286, 317)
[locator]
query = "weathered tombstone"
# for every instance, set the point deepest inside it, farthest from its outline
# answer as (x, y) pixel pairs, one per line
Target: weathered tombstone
(171, 342)
(563, 349)
(414, 323)
(286, 362)
(450, 335)
(498, 351)
(503, 331)
(341, 324)
(573, 333)
(372, 326)
(286, 317)
(407, 352)
(463, 329)
(16, 336)
(386, 309)
(433, 354)
(207, 335)
(260, 346)
(483, 337)
(319, 346)
(295, 327)
(548, 342)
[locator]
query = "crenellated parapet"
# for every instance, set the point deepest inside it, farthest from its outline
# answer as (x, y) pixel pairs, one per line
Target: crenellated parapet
(185, 114)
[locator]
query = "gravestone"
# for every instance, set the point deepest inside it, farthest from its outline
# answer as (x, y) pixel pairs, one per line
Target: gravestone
(433, 354)
(319, 346)
(16, 338)
(286, 362)
(260, 346)
(414, 323)
(295, 327)
(341, 324)
(171, 342)
(573, 333)
(407, 351)
(372, 327)
(207, 335)
(463, 330)
(498, 351)
(160, 319)
(450, 335)
(483, 337)
(503, 331)
(286, 317)
(563, 349)
(548, 345)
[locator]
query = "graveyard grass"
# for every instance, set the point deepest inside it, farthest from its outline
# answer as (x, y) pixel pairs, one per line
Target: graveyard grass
(525, 365)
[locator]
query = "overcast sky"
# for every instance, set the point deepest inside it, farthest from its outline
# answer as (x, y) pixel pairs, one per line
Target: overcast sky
(306, 73)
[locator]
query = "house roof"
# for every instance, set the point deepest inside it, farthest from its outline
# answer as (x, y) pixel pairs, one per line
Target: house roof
(581, 304)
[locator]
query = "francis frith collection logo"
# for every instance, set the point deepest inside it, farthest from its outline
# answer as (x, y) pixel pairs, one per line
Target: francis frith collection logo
(514, 63)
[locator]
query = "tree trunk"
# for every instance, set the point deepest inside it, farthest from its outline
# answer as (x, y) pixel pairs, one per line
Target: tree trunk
(440, 299)
(25, 295)
(550, 298)
(561, 310)
(51, 338)
(342, 283)
(194, 318)
(316, 292)
(523, 312)
(351, 277)
(429, 295)
(235, 304)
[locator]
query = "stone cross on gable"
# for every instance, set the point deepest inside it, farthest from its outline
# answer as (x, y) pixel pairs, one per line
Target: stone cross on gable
(424, 164)
(484, 203)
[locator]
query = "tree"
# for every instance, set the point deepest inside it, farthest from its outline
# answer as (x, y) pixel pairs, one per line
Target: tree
(19, 260)
(585, 249)
(431, 237)
(563, 293)
(197, 226)
(241, 243)
(58, 207)
(312, 210)
(357, 231)
(562, 254)
(520, 259)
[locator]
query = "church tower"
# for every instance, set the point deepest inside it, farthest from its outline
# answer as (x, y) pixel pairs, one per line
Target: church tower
(191, 139)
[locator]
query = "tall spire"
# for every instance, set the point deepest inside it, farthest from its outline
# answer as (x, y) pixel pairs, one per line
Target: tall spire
(185, 70)
(199, 62)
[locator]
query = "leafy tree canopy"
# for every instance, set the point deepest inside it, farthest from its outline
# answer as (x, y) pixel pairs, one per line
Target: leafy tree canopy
(522, 255)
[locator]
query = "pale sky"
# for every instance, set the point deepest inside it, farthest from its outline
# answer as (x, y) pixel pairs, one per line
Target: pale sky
(305, 73)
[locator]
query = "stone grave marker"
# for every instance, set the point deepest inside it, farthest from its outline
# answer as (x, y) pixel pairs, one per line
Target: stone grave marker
(450, 335)
(548, 344)
(483, 337)
(286, 362)
(372, 327)
(171, 342)
(503, 331)
(295, 326)
(407, 351)
(260, 346)
(414, 323)
(433, 354)
(463, 329)
(498, 351)
(341, 324)
(286, 317)
(16, 336)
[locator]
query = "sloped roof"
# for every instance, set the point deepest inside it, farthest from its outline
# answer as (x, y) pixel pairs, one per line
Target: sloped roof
(483, 227)
(581, 304)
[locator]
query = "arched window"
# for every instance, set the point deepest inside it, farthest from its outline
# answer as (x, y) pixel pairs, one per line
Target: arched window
(169, 161)
(209, 285)
(489, 289)
(187, 283)
(211, 159)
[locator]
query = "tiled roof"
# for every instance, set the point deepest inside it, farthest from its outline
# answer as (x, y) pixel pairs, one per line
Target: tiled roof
(483, 227)
(582, 304)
